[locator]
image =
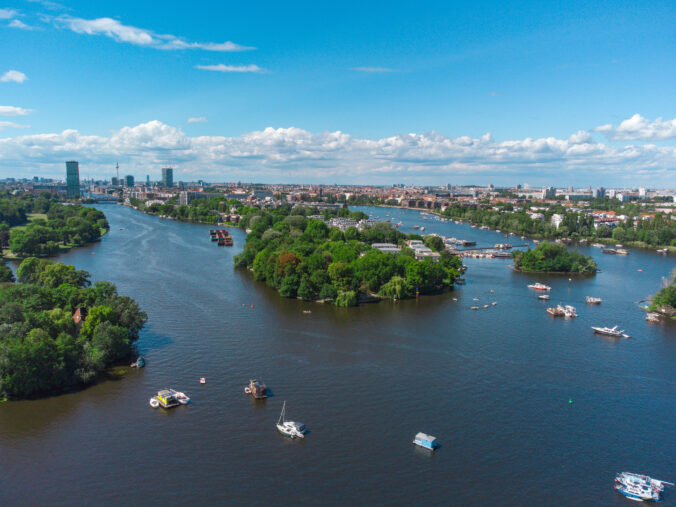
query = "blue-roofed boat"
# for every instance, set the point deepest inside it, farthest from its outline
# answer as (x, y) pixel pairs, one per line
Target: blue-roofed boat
(426, 441)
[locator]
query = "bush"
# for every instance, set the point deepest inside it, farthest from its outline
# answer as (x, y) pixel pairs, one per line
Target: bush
(346, 298)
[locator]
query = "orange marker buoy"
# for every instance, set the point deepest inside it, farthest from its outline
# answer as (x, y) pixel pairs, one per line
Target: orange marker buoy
(203, 380)
(252, 307)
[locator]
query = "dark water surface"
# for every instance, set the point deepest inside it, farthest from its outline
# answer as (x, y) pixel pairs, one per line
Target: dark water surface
(493, 385)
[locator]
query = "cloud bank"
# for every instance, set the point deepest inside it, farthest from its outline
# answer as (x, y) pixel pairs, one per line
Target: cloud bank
(293, 154)
(639, 128)
(115, 30)
(13, 76)
(13, 111)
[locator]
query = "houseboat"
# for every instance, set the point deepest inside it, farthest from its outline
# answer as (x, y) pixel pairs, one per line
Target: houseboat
(257, 389)
(166, 398)
(426, 441)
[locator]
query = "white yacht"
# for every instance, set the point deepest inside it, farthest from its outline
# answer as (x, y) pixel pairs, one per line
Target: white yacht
(610, 331)
(290, 428)
(539, 286)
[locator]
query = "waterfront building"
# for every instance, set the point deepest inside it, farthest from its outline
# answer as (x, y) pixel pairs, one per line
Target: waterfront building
(167, 177)
(72, 179)
(129, 180)
(387, 247)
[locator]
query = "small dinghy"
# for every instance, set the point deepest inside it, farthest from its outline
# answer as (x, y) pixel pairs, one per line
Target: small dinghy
(154, 403)
(182, 398)
(139, 363)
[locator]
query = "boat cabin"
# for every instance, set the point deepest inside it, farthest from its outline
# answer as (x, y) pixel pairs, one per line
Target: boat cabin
(426, 441)
(258, 389)
(167, 398)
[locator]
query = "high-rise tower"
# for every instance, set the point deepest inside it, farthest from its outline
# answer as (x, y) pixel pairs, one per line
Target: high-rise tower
(72, 179)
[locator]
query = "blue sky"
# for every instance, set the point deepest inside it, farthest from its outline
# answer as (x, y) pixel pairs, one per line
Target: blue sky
(372, 92)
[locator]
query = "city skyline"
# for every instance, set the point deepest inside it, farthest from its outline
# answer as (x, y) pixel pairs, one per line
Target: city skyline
(548, 94)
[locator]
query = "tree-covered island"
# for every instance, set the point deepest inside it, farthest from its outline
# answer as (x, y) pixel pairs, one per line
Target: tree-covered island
(40, 226)
(57, 330)
(294, 251)
(553, 258)
(664, 301)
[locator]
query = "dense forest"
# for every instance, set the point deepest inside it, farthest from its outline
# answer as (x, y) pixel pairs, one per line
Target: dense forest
(42, 349)
(39, 225)
(303, 257)
(555, 258)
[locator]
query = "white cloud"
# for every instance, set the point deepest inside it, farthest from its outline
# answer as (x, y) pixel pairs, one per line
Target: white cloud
(13, 111)
(11, 124)
(13, 76)
(15, 23)
(231, 68)
(293, 154)
(47, 4)
(198, 119)
(8, 13)
(112, 28)
(638, 128)
(373, 69)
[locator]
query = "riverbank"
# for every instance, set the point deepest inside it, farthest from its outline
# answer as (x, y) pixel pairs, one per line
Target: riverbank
(579, 241)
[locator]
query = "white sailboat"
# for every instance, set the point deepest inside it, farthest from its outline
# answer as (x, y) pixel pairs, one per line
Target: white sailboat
(289, 428)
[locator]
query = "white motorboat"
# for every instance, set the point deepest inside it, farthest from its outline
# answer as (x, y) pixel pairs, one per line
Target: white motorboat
(592, 300)
(544, 297)
(652, 317)
(182, 398)
(539, 286)
(610, 331)
(290, 429)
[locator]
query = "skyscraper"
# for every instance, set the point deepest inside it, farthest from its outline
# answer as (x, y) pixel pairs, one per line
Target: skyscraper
(167, 177)
(129, 180)
(72, 179)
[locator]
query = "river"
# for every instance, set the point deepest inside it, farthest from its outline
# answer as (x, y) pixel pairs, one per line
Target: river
(492, 385)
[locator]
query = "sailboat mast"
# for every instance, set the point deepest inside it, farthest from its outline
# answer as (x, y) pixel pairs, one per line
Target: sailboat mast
(281, 416)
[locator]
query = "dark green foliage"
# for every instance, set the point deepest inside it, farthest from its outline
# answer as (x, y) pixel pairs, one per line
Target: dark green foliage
(302, 257)
(665, 300)
(70, 225)
(6, 274)
(41, 349)
(552, 257)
